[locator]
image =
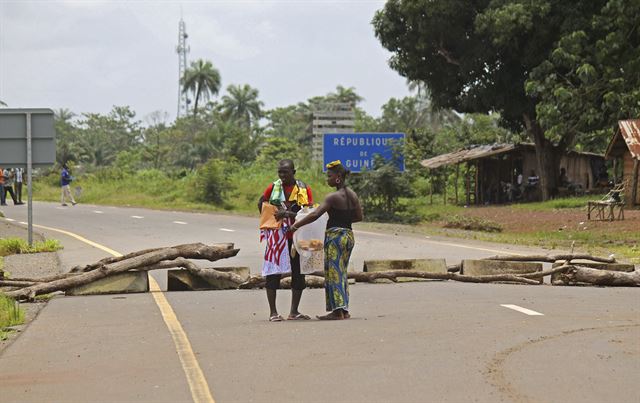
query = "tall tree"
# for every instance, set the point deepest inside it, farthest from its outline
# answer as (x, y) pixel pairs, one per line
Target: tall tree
(202, 80)
(592, 78)
(346, 95)
(241, 104)
(102, 137)
(475, 57)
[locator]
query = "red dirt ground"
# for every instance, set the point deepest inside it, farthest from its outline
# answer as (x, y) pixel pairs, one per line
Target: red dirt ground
(519, 221)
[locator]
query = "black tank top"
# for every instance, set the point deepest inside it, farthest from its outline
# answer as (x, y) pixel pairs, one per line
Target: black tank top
(341, 218)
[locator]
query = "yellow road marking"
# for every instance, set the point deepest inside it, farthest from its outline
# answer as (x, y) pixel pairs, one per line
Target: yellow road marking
(198, 385)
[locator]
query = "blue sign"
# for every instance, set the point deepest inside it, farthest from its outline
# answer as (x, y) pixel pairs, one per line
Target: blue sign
(357, 150)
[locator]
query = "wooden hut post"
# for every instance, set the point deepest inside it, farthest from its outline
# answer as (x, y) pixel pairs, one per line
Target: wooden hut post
(634, 183)
(445, 186)
(431, 188)
(468, 185)
(457, 175)
(477, 184)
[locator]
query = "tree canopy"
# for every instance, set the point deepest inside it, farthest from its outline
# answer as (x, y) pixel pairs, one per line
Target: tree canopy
(201, 79)
(479, 57)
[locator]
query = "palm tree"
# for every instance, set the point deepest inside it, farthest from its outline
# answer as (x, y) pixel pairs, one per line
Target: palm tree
(428, 114)
(346, 95)
(201, 79)
(242, 104)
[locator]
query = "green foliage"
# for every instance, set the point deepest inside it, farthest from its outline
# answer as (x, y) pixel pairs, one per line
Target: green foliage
(275, 148)
(557, 69)
(212, 182)
(591, 78)
(472, 224)
(202, 80)
(10, 314)
(13, 246)
(241, 104)
(380, 190)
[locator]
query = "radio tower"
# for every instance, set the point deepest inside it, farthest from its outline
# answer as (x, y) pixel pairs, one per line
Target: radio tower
(182, 49)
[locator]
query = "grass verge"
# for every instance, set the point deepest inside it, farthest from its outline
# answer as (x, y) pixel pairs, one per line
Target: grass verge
(14, 246)
(10, 315)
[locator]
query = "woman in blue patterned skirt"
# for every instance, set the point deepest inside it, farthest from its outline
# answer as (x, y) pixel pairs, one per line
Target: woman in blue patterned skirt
(344, 209)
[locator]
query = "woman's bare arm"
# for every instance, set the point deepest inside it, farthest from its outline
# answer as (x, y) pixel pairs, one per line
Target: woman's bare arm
(314, 215)
(359, 215)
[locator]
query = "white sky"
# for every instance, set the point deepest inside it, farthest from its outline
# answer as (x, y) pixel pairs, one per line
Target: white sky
(90, 55)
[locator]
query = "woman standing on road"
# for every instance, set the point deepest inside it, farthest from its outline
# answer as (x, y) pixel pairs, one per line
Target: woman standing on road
(344, 209)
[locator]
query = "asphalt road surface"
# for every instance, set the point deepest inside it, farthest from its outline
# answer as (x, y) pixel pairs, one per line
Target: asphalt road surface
(407, 342)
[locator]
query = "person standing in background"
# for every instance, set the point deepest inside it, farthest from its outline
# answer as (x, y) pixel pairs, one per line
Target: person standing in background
(3, 198)
(65, 180)
(7, 187)
(17, 185)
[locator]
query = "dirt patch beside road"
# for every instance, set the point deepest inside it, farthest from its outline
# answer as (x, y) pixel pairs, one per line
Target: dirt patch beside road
(517, 220)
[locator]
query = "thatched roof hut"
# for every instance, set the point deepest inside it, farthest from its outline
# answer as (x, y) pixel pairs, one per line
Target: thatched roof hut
(491, 170)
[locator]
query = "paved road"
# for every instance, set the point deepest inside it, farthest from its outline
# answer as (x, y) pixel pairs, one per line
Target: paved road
(427, 341)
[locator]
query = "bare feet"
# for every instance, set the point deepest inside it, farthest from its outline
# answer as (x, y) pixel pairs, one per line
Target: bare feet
(335, 315)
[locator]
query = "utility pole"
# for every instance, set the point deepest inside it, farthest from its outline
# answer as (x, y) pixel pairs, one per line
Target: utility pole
(182, 49)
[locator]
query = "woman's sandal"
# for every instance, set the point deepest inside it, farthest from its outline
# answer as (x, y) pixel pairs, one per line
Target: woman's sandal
(276, 318)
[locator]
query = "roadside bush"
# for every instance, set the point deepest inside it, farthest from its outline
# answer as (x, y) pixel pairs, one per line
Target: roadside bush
(472, 224)
(213, 181)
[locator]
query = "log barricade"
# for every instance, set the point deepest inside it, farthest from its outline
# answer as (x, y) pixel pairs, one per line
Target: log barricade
(567, 269)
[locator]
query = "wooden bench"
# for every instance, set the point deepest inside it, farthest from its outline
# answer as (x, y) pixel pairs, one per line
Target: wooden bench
(606, 211)
(611, 207)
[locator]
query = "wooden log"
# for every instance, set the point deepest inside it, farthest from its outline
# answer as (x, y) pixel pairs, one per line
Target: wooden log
(552, 258)
(16, 283)
(577, 274)
(45, 279)
(109, 260)
(188, 251)
(368, 277)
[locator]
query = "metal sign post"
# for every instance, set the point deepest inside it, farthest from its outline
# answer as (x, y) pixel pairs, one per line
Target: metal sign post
(27, 139)
(29, 195)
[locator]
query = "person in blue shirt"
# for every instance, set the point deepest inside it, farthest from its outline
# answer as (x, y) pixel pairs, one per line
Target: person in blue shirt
(65, 180)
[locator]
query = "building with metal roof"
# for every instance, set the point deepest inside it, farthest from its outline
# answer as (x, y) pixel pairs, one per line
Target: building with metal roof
(499, 173)
(624, 150)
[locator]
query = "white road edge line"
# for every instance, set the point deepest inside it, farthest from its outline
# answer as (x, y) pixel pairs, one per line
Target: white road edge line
(227, 230)
(97, 211)
(137, 216)
(522, 310)
(455, 245)
(180, 222)
(9, 219)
